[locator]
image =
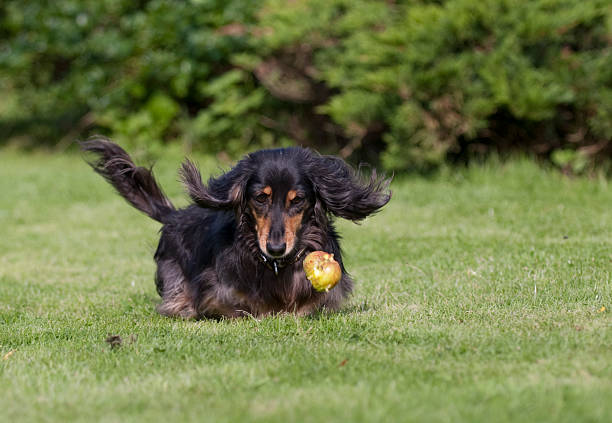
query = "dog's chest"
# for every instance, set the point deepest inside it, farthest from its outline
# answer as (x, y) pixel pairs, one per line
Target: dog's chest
(263, 292)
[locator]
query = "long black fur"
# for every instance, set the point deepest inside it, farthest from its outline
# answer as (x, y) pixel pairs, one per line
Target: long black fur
(209, 262)
(136, 184)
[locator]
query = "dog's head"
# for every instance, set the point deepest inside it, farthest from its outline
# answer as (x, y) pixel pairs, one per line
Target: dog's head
(283, 190)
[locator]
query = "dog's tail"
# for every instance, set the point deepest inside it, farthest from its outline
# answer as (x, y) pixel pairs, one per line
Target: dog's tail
(136, 184)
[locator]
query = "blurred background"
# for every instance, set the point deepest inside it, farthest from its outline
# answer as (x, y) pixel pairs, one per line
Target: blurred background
(408, 85)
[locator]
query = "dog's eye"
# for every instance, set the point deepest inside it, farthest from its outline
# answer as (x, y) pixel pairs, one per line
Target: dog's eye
(297, 200)
(261, 198)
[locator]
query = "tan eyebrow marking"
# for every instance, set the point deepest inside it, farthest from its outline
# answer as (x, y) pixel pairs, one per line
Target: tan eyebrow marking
(267, 190)
(291, 194)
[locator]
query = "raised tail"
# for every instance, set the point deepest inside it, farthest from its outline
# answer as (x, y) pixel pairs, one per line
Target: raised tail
(136, 184)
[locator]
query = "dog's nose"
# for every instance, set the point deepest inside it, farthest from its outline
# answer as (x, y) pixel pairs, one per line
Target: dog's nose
(276, 249)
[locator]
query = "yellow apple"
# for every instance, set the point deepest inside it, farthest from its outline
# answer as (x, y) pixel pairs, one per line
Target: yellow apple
(322, 270)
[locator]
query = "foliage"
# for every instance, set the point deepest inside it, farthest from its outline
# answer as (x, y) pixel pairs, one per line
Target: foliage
(458, 76)
(136, 70)
(415, 82)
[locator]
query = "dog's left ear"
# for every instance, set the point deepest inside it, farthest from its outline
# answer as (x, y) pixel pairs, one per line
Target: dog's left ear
(224, 192)
(344, 192)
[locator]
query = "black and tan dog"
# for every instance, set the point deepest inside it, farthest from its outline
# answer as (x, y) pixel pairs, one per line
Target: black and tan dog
(239, 248)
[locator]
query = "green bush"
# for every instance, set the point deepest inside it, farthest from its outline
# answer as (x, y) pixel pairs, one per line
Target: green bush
(136, 70)
(456, 77)
(413, 83)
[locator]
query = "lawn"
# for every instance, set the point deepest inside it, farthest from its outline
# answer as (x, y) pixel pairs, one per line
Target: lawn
(481, 295)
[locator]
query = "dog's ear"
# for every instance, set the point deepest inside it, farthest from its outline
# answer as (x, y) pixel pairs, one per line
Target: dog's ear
(224, 192)
(344, 192)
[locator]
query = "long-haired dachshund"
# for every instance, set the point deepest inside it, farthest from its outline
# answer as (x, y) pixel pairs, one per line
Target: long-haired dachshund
(238, 249)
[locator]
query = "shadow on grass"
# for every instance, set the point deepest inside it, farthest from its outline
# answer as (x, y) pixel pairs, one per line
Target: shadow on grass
(145, 304)
(344, 311)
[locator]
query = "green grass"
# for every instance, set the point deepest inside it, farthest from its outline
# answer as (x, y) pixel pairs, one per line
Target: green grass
(478, 298)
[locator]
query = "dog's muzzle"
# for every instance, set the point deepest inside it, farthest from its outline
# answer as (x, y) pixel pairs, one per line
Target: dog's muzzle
(275, 264)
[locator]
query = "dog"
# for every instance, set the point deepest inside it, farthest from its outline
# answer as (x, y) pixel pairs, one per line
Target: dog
(238, 249)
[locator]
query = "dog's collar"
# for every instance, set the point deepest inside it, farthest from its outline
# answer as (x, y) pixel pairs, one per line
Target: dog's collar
(275, 264)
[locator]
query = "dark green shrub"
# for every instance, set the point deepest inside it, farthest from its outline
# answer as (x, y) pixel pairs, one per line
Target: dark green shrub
(457, 77)
(136, 70)
(413, 83)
